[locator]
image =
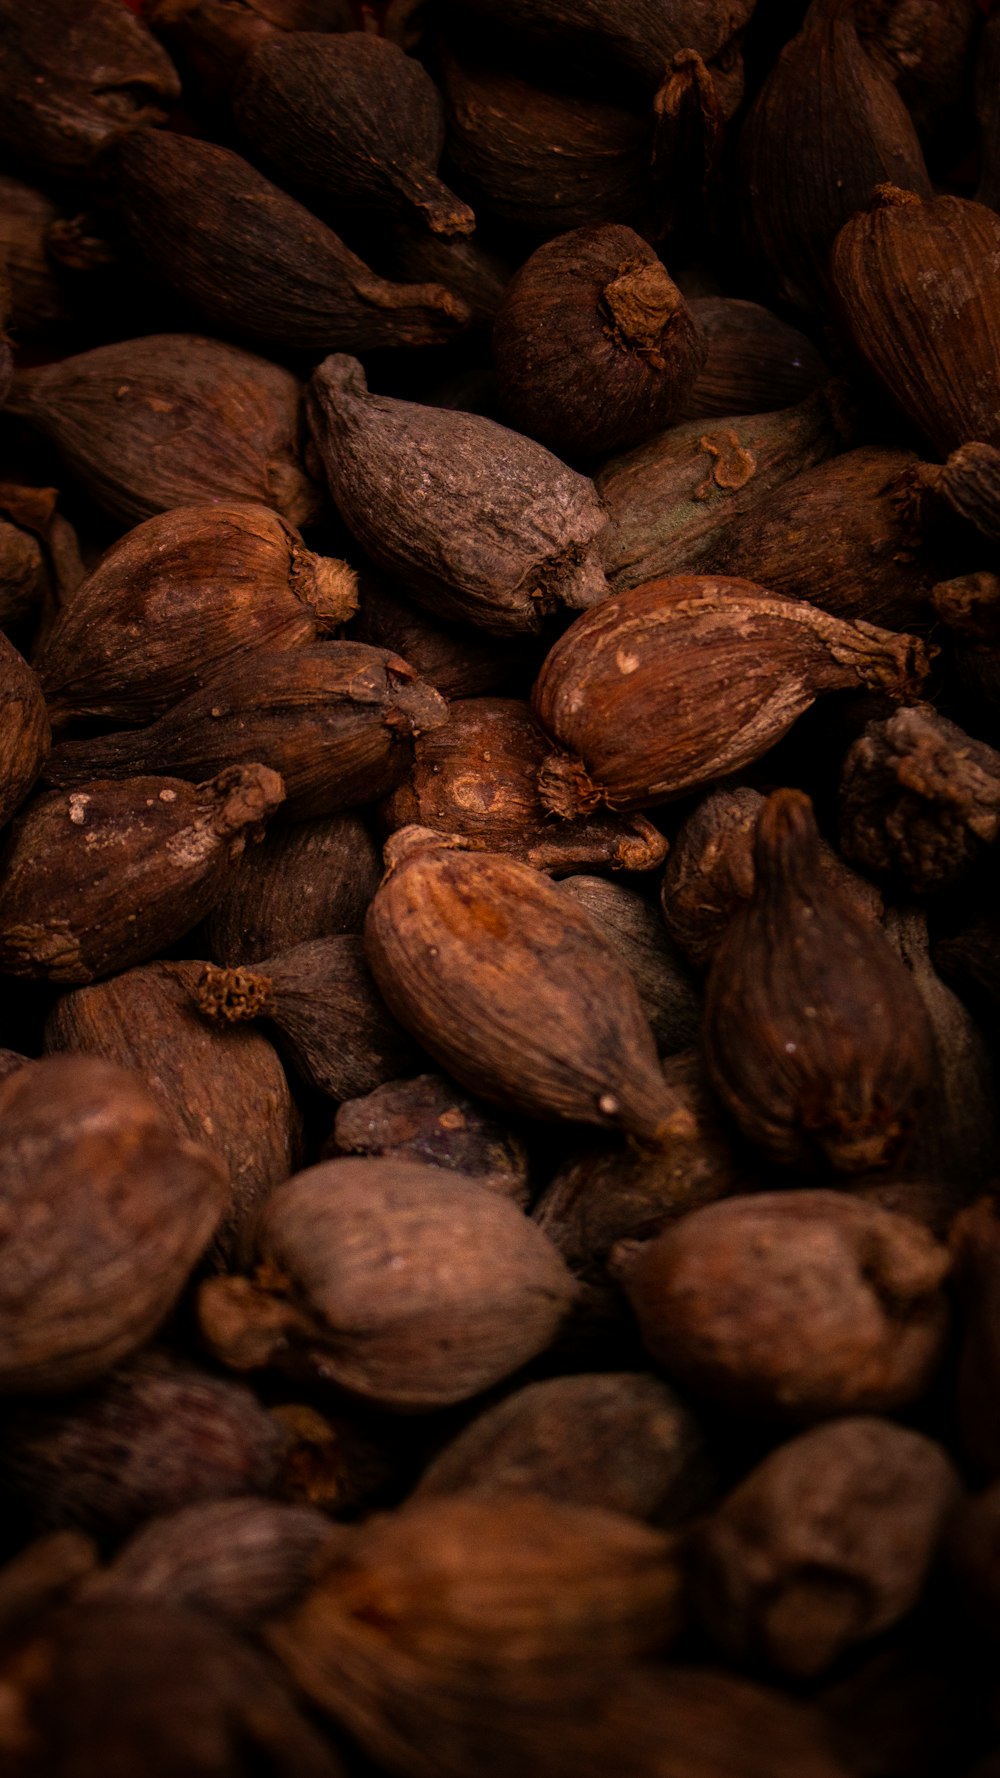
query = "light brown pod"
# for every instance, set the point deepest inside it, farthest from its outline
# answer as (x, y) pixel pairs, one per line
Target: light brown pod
(429, 1120)
(662, 689)
(25, 735)
(918, 285)
(171, 420)
(308, 881)
(178, 598)
(406, 1285)
(514, 990)
(106, 1211)
(634, 929)
(475, 521)
(96, 879)
(792, 1305)
(478, 777)
(754, 361)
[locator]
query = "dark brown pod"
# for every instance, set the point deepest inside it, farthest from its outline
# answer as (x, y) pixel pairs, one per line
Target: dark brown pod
(352, 119)
(514, 990)
(96, 879)
(754, 361)
(429, 1120)
(594, 345)
(179, 597)
(336, 719)
(988, 114)
(40, 563)
(312, 880)
(38, 299)
(46, 1572)
(106, 1211)
(918, 287)
(826, 127)
(970, 605)
(406, 1285)
(459, 663)
(826, 1543)
(642, 1451)
(816, 1039)
(975, 1241)
(210, 39)
(25, 735)
(633, 928)
(476, 522)
(328, 1018)
(973, 1558)
(71, 73)
(223, 1088)
(460, 262)
(478, 777)
(792, 1305)
(969, 483)
(662, 689)
(172, 420)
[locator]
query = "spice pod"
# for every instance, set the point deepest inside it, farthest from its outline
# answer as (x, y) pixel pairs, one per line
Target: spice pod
(308, 881)
(459, 662)
(754, 361)
(40, 299)
(429, 1120)
(24, 729)
(634, 929)
(210, 39)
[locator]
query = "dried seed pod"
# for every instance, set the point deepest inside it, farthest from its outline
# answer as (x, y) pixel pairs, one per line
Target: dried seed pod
(172, 419)
(970, 605)
(825, 1544)
(918, 286)
(252, 260)
(430, 1121)
(754, 362)
(326, 1013)
(177, 598)
(46, 1572)
(25, 735)
(816, 1039)
(792, 1305)
(968, 483)
(211, 38)
(670, 500)
(459, 663)
(670, 998)
(106, 1212)
(972, 1550)
(73, 72)
(478, 523)
(975, 1241)
(96, 879)
(40, 564)
(223, 1088)
(11, 1061)
(38, 299)
(478, 778)
(309, 881)
(919, 799)
(826, 127)
(641, 1452)
(594, 345)
(407, 1285)
(352, 119)
(988, 115)
(664, 688)
(514, 990)
(336, 719)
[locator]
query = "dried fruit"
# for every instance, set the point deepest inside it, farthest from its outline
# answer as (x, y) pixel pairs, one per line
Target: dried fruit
(755, 362)
(430, 1121)
(633, 928)
(24, 729)
(308, 881)
(969, 483)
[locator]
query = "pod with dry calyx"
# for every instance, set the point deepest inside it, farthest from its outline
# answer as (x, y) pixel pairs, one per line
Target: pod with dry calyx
(514, 989)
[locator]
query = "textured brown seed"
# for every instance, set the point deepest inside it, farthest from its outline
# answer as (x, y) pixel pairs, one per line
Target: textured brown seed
(825, 1544)
(308, 881)
(104, 1212)
(406, 1285)
(429, 1120)
(25, 734)
(633, 928)
(664, 688)
(754, 361)
(336, 719)
(255, 262)
(459, 663)
(475, 521)
(172, 419)
(353, 120)
(815, 1037)
(178, 598)
(793, 1305)
(108, 875)
(224, 1088)
(514, 990)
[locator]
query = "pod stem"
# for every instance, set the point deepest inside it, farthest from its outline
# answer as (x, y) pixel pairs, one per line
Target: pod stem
(232, 995)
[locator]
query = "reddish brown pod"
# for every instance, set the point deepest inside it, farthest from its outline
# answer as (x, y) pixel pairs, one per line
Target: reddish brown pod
(594, 345)
(815, 1036)
(24, 729)
(308, 881)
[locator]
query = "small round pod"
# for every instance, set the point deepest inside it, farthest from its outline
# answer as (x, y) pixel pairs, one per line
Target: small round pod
(410, 1287)
(825, 1544)
(594, 345)
(105, 1211)
(514, 990)
(25, 735)
(303, 882)
(792, 1306)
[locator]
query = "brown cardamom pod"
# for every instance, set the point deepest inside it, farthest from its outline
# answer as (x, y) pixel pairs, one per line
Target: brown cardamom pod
(988, 114)
(670, 997)
(475, 521)
(816, 1039)
(918, 286)
(216, 582)
(312, 880)
(96, 879)
(514, 990)
(350, 118)
(406, 1285)
(40, 563)
(25, 735)
(39, 299)
(662, 689)
(106, 1211)
(969, 483)
(754, 361)
(477, 778)
(975, 1242)
(171, 420)
(594, 345)
(336, 719)
(429, 1120)
(211, 38)
(459, 663)
(223, 1088)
